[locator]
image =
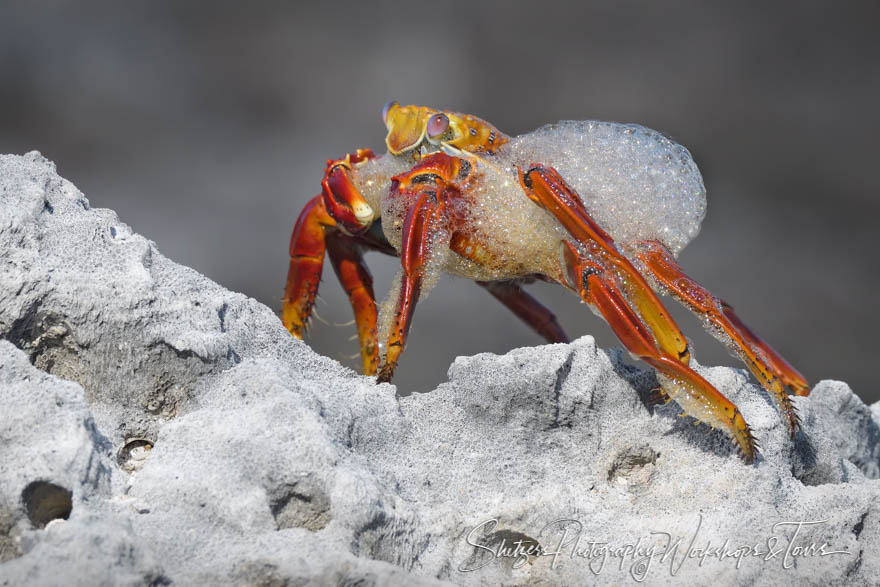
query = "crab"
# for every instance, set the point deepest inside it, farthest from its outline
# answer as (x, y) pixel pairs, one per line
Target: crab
(602, 209)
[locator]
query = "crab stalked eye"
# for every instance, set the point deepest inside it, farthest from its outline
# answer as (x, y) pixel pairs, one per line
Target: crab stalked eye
(386, 109)
(437, 125)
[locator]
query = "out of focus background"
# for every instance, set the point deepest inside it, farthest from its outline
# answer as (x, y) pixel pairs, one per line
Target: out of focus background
(206, 126)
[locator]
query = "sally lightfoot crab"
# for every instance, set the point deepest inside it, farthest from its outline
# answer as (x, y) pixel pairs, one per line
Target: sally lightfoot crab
(600, 208)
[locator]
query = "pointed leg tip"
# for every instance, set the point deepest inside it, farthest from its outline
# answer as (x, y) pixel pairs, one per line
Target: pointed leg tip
(657, 397)
(747, 446)
(748, 453)
(802, 390)
(793, 427)
(385, 375)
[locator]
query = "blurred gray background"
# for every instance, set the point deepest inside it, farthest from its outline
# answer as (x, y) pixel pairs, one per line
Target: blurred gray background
(206, 126)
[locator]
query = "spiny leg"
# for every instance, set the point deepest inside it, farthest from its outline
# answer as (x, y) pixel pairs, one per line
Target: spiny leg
(348, 262)
(307, 246)
(432, 193)
(419, 229)
(527, 309)
(545, 187)
(339, 207)
(509, 292)
(692, 392)
(774, 372)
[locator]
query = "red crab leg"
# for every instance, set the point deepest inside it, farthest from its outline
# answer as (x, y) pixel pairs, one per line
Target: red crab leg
(774, 372)
(524, 306)
(307, 245)
(324, 224)
(418, 232)
(546, 187)
(692, 392)
(527, 309)
(353, 274)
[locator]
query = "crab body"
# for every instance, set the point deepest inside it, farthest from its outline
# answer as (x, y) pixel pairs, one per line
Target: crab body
(488, 215)
(600, 208)
(636, 183)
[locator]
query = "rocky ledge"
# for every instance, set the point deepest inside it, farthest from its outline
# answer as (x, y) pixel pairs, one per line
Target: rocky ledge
(158, 429)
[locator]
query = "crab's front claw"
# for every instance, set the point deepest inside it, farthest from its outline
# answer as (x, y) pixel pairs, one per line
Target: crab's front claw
(342, 199)
(334, 222)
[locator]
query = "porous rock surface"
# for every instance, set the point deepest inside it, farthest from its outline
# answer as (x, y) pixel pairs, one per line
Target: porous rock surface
(158, 429)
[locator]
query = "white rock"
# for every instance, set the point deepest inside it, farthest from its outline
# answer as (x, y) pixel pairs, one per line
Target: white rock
(201, 444)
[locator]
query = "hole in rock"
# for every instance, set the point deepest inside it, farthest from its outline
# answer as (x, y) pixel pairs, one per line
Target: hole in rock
(514, 549)
(634, 465)
(300, 505)
(133, 455)
(45, 502)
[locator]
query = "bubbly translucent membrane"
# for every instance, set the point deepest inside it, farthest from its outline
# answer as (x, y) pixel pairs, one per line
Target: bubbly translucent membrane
(635, 182)
(514, 236)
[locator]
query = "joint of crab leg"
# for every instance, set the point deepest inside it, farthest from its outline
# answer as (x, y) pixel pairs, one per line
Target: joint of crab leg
(307, 246)
(359, 156)
(419, 229)
(437, 169)
(658, 397)
(547, 188)
(410, 290)
(692, 392)
(357, 282)
(342, 198)
(774, 373)
(790, 376)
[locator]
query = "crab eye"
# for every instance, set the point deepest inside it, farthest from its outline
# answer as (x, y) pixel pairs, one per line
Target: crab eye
(437, 125)
(386, 109)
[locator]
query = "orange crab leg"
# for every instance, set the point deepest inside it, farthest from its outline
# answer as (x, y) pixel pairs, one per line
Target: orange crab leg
(692, 392)
(418, 232)
(523, 305)
(324, 225)
(774, 372)
(348, 262)
(307, 245)
(527, 309)
(546, 188)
